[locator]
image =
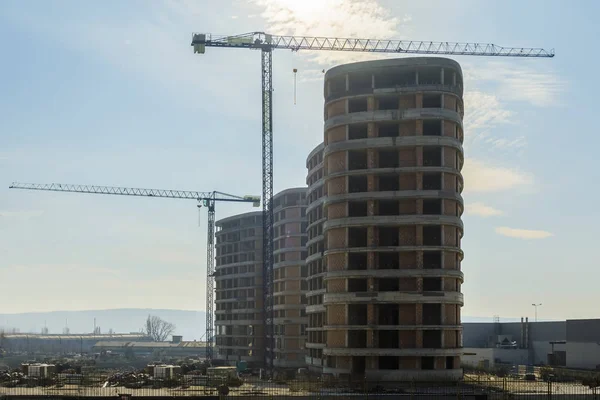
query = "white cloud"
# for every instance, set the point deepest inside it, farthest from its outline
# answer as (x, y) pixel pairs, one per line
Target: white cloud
(333, 18)
(484, 111)
(538, 85)
(482, 177)
(25, 214)
(482, 210)
(523, 233)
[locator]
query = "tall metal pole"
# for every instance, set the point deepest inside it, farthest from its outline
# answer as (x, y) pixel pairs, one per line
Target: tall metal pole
(210, 272)
(535, 306)
(267, 178)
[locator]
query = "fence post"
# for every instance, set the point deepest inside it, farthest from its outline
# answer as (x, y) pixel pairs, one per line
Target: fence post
(549, 389)
(504, 396)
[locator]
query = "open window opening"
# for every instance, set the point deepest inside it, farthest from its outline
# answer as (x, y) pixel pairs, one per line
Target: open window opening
(357, 160)
(432, 314)
(357, 339)
(357, 131)
(357, 105)
(388, 314)
(432, 101)
(388, 130)
(432, 259)
(430, 76)
(388, 207)
(389, 103)
(389, 183)
(357, 314)
(432, 181)
(432, 339)
(360, 82)
(389, 159)
(388, 260)
(432, 156)
(357, 285)
(388, 285)
(432, 207)
(388, 362)
(389, 236)
(432, 284)
(389, 339)
(357, 237)
(357, 209)
(432, 127)
(358, 184)
(357, 261)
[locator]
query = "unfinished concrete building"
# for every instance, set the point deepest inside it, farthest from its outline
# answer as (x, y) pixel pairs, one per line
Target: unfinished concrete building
(289, 273)
(239, 289)
(392, 161)
(315, 335)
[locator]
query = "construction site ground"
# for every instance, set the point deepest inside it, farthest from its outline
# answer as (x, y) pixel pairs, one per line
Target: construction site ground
(493, 387)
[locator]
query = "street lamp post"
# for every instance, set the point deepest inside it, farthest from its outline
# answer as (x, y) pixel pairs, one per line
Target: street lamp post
(536, 306)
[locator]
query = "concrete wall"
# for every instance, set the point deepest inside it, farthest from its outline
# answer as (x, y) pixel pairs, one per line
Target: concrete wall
(583, 355)
(583, 330)
(473, 356)
(478, 334)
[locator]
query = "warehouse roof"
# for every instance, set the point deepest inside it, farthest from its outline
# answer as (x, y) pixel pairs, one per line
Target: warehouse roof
(106, 337)
(151, 345)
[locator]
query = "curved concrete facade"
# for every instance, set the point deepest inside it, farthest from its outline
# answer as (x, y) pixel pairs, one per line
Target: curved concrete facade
(389, 291)
(315, 335)
(239, 289)
(289, 273)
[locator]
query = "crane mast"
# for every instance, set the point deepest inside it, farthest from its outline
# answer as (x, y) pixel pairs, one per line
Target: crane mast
(206, 199)
(267, 43)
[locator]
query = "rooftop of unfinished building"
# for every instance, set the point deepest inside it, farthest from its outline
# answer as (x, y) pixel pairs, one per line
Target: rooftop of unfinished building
(290, 190)
(392, 62)
(314, 152)
(238, 216)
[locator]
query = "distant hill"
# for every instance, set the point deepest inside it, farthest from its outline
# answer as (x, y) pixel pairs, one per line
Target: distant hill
(189, 324)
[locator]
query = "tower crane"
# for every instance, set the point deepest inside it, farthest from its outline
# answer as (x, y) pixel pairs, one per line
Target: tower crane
(206, 199)
(266, 43)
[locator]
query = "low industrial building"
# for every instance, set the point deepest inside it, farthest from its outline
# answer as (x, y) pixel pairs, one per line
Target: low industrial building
(63, 344)
(175, 348)
(570, 343)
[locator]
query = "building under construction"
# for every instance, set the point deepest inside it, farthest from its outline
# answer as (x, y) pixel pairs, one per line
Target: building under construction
(239, 289)
(392, 159)
(383, 228)
(289, 278)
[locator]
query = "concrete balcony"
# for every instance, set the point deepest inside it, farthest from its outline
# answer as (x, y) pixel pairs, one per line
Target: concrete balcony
(393, 297)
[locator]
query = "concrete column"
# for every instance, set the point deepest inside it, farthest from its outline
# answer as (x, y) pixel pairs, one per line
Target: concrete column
(371, 130)
(417, 76)
(442, 233)
(373, 81)
(442, 75)
(347, 82)
(371, 103)
(454, 78)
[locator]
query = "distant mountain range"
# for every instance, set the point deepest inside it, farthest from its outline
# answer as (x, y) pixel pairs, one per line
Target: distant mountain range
(189, 324)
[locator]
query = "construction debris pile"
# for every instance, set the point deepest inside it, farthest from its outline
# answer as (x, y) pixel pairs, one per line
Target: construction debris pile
(131, 380)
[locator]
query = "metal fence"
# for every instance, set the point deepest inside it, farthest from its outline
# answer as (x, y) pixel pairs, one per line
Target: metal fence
(98, 385)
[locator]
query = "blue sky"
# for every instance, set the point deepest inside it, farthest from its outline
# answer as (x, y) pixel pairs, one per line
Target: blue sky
(111, 93)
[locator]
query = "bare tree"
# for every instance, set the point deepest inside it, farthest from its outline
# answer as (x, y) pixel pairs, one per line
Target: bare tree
(158, 329)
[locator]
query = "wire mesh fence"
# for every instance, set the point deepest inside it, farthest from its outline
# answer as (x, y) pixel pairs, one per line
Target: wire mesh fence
(99, 385)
